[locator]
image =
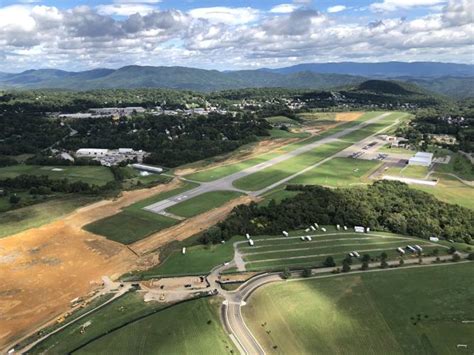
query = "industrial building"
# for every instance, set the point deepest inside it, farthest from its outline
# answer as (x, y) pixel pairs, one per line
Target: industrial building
(421, 158)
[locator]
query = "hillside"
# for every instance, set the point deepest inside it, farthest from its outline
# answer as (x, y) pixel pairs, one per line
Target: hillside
(386, 70)
(298, 77)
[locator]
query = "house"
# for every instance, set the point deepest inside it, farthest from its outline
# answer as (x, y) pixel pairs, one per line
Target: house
(421, 158)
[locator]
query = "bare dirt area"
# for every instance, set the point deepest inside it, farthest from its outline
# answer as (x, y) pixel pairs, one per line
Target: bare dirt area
(348, 116)
(261, 147)
(188, 228)
(44, 268)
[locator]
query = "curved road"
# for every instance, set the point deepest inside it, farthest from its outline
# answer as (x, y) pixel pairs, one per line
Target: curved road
(231, 312)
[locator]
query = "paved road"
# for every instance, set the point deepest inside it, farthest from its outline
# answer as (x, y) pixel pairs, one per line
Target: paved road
(226, 183)
(234, 300)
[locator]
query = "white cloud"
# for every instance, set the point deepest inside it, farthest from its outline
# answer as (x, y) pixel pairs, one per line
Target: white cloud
(336, 8)
(283, 8)
(394, 5)
(124, 9)
(16, 17)
(227, 15)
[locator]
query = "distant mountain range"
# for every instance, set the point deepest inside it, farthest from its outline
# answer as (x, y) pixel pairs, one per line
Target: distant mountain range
(446, 78)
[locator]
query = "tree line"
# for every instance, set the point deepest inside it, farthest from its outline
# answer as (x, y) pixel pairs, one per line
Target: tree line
(385, 206)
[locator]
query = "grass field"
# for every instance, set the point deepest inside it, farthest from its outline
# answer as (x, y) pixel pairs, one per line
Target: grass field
(395, 150)
(459, 165)
(277, 172)
(199, 259)
(278, 194)
(338, 172)
(129, 226)
(450, 190)
(202, 203)
(275, 252)
(135, 223)
(220, 172)
(189, 328)
(94, 175)
(280, 133)
(18, 220)
(402, 311)
(408, 171)
(263, 178)
(280, 119)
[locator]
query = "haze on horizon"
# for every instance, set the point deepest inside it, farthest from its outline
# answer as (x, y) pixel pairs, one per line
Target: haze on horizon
(225, 35)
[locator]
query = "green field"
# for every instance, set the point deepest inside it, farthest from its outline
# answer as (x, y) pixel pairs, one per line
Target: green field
(192, 327)
(280, 119)
(402, 311)
(387, 149)
(275, 252)
(127, 227)
(220, 172)
(34, 216)
(94, 175)
(278, 194)
(459, 165)
(338, 172)
(280, 133)
(202, 203)
(135, 223)
(450, 190)
(199, 259)
(263, 178)
(408, 171)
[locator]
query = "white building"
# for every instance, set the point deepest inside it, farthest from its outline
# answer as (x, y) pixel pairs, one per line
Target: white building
(149, 168)
(421, 158)
(91, 152)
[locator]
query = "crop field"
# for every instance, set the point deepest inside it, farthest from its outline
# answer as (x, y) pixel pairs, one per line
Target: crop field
(401, 311)
(202, 203)
(277, 252)
(94, 175)
(338, 172)
(34, 216)
(192, 327)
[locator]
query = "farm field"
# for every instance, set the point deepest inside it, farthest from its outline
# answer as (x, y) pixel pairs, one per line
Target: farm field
(94, 175)
(202, 203)
(338, 172)
(199, 259)
(34, 216)
(192, 327)
(277, 252)
(415, 311)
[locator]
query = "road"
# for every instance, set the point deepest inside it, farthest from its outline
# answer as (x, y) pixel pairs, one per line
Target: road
(231, 312)
(226, 183)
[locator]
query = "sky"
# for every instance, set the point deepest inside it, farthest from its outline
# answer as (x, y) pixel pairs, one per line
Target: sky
(227, 35)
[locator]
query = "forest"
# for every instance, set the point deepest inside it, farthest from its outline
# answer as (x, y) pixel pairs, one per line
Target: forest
(384, 206)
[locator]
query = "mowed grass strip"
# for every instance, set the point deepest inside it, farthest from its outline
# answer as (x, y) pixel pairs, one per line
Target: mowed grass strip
(328, 250)
(192, 327)
(94, 175)
(127, 227)
(277, 172)
(317, 260)
(369, 313)
(202, 203)
(338, 172)
(220, 172)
